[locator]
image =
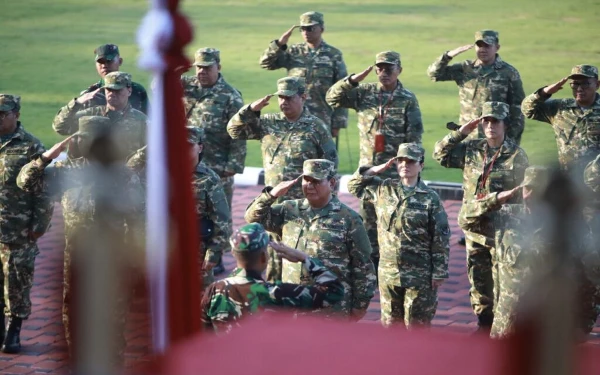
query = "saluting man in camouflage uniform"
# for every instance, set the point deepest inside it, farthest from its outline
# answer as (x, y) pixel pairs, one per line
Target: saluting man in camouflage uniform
(246, 293)
(287, 138)
(492, 164)
(108, 60)
(576, 122)
(488, 78)
(413, 233)
(521, 241)
(24, 217)
(320, 64)
(77, 183)
(129, 123)
(388, 116)
(322, 227)
(210, 103)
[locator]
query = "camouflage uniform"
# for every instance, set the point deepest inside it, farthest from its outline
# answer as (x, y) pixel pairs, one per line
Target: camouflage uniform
(285, 145)
(21, 215)
(320, 68)
(334, 234)
(397, 115)
(478, 84)
(497, 170)
(521, 240)
(576, 129)
(130, 124)
(211, 108)
(246, 293)
(74, 182)
(414, 234)
(138, 98)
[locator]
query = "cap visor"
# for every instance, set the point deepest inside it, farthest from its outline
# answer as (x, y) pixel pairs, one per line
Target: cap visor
(285, 93)
(316, 176)
(6, 108)
(388, 62)
(204, 63)
(579, 75)
(406, 157)
(106, 57)
(309, 24)
(114, 87)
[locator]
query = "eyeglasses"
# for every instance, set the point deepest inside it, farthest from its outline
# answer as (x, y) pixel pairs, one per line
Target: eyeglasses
(308, 29)
(4, 115)
(583, 85)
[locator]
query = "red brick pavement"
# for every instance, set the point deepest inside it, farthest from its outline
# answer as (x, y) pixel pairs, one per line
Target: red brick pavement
(44, 348)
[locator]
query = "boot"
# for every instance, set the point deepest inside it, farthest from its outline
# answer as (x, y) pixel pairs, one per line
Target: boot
(12, 341)
(484, 323)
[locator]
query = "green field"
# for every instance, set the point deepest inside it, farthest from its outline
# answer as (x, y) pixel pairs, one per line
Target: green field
(47, 50)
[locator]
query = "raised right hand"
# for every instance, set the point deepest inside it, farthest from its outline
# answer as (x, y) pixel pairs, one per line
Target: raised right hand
(88, 96)
(356, 78)
(551, 89)
(55, 150)
(283, 39)
(467, 128)
(504, 196)
(260, 103)
(283, 187)
(459, 50)
(380, 168)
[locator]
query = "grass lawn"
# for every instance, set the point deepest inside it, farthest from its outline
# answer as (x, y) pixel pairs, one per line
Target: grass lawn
(47, 51)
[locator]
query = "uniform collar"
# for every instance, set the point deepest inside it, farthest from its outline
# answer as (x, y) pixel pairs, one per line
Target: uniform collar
(507, 147)
(334, 205)
(498, 63)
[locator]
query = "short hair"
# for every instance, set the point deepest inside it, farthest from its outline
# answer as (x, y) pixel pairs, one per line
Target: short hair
(248, 258)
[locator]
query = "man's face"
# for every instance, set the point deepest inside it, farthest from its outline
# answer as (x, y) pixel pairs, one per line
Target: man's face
(103, 66)
(8, 121)
(291, 106)
(117, 98)
(387, 73)
(208, 75)
(486, 53)
(584, 89)
(408, 168)
(317, 191)
(312, 34)
(493, 128)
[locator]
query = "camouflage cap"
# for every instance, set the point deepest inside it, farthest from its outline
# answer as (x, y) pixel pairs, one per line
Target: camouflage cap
(412, 151)
(10, 102)
(290, 86)
(490, 37)
(250, 237)
(195, 135)
(94, 125)
(589, 71)
(387, 57)
(497, 110)
(319, 169)
(311, 18)
(536, 176)
(117, 80)
(107, 52)
(207, 56)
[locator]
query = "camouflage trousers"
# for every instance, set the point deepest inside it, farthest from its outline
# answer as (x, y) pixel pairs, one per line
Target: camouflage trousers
(509, 282)
(227, 183)
(412, 306)
(480, 274)
(70, 316)
(369, 216)
(16, 280)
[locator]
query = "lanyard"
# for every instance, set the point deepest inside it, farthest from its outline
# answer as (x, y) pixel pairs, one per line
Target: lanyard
(486, 174)
(383, 108)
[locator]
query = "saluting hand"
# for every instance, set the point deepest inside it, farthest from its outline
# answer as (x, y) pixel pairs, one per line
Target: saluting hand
(286, 252)
(549, 90)
(55, 150)
(380, 168)
(356, 78)
(283, 187)
(283, 39)
(467, 128)
(88, 96)
(259, 104)
(504, 196)
(459, 50)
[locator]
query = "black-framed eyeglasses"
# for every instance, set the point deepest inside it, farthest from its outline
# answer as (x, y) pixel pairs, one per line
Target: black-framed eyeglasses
(583, 85)
(308, 29)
